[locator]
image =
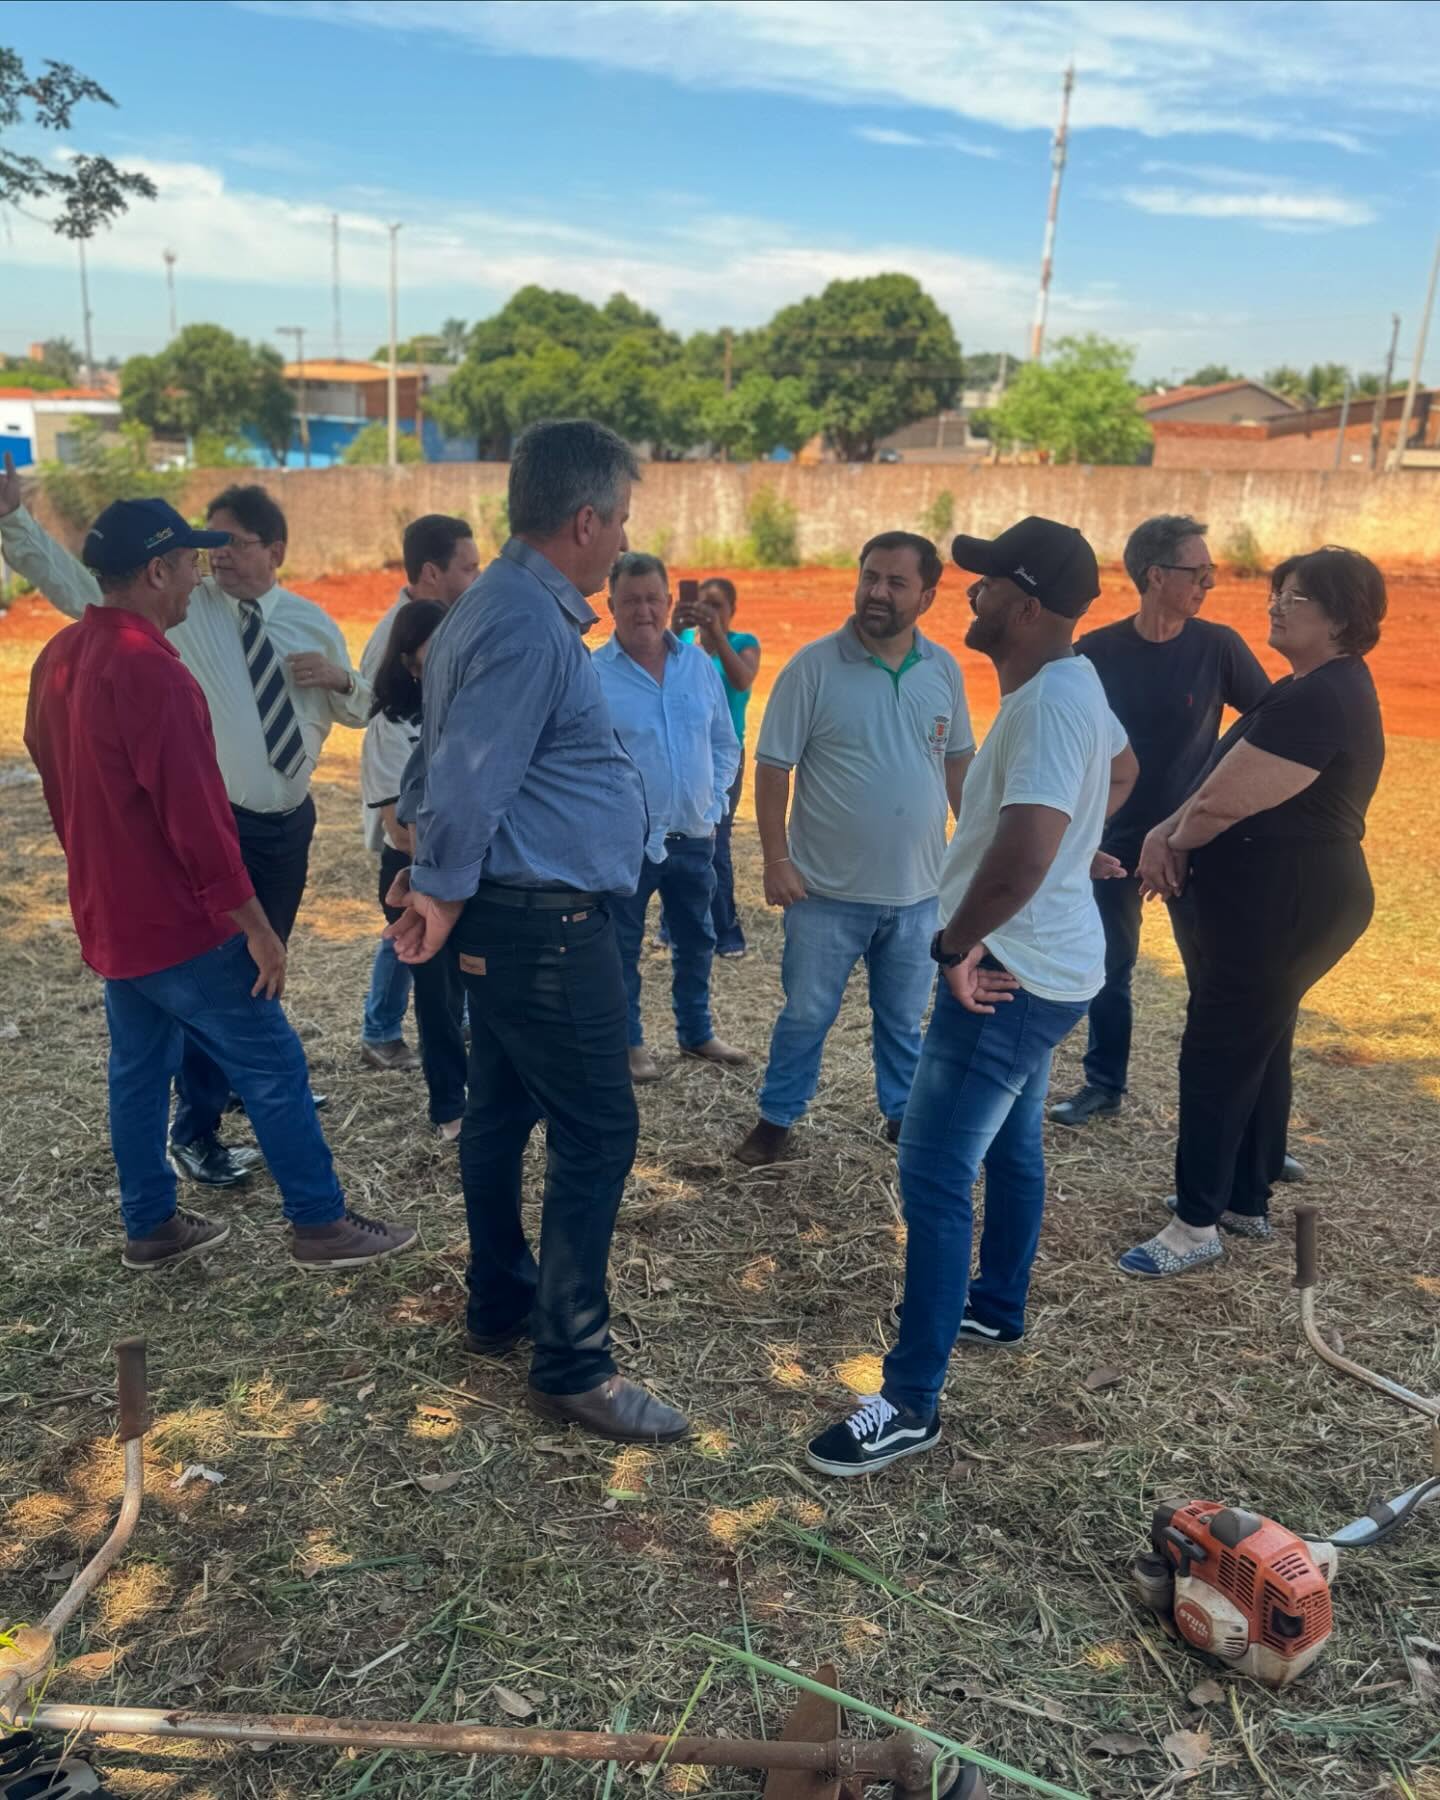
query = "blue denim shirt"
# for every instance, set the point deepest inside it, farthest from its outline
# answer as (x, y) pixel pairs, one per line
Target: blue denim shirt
(519, 777)
(679, 733)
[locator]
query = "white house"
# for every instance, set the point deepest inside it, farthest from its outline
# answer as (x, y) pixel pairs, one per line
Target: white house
(38, 426)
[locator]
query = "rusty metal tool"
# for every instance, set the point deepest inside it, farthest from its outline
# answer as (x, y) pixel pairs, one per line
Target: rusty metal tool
(811, 1760)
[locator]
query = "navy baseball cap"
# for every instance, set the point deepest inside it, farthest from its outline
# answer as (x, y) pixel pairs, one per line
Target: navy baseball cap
(1052, 562)
(129, 532)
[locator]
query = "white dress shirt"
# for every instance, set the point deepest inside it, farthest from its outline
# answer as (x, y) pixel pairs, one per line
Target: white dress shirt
(378, 641)
(208, 640)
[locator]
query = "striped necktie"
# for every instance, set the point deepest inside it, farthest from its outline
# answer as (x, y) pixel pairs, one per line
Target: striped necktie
(284, 746)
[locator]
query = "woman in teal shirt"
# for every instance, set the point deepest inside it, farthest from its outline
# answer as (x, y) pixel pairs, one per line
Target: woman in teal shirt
(736, 654)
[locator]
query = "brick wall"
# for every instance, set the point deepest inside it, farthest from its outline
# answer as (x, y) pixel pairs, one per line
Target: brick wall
(1197, 447)
(352, 518)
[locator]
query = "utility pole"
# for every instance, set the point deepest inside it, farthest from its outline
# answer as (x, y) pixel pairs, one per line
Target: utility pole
(1377, 418)
(298, 333)
(335, 282)
(392, 416)
(169, 256)
(85, 318)
(1047, 256)
(1344, 420)
(1397, 455)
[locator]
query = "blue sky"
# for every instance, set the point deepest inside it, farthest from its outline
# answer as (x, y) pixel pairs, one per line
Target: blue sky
(1247, 183)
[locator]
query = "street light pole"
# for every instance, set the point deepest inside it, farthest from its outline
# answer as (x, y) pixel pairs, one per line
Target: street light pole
(392, 418)
(169, 256)
(298, 333)
(85, 316)
(1397, 455)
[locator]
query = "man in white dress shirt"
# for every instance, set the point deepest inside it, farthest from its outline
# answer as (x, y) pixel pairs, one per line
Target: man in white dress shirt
(276, 675)
(441, 561)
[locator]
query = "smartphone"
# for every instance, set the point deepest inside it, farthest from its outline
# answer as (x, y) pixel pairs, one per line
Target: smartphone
(687, 607)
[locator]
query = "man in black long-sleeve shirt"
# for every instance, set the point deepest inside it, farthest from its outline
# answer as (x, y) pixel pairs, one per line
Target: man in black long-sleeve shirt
(1168, 676)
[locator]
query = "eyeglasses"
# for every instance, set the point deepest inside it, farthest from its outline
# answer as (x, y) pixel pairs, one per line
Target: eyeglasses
(1196, 571)
(1284, 603)
(240, 543)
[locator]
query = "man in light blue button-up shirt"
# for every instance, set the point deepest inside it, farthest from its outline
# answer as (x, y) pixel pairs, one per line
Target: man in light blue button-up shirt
(670, 712)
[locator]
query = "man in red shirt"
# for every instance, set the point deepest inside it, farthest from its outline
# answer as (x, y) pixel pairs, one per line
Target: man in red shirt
(163, 907)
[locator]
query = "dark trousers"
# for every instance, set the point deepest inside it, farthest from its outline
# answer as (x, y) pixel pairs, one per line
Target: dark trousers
(685, 882)
(1107, 1054)
(547, 1041)
(729, 932)
(1259, 924)
(439, 1011)
(275, 848)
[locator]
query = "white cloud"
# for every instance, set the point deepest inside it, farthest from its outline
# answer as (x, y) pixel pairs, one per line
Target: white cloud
(1192, 66)
(1281, 210)
(908, 140)
(472, 260)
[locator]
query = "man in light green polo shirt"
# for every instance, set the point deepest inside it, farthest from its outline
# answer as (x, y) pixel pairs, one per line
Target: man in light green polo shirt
(872, 723)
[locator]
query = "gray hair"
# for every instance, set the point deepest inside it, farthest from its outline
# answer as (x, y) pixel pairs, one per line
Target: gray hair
(641, 563)
(1155, 541)
(561, 465)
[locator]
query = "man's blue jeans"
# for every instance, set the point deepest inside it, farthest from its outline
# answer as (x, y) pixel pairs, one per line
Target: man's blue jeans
(208, 1001)
(979, 1098)
(824, 939)
(685, 882)
(390, 984)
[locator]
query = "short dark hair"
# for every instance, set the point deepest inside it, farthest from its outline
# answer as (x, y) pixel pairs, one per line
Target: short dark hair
(431, 538)
(928, 557)
(116, 583)
(255, 510)
(395, 691)
(560, 465)
(1155, 541)
(1348, 588)
(726, 587)
(638, 562)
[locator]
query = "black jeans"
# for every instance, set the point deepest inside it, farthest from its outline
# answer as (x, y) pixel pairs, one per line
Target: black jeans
(547, 1041)
(1107, 1054)
(1259, 924)
(439, 1011)
(275, 848)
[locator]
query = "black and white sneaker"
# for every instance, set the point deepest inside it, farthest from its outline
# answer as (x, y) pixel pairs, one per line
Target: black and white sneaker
(873, 1437)
(972, 1330)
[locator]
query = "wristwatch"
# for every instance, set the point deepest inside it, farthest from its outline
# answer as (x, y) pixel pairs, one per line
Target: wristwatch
(945, 958)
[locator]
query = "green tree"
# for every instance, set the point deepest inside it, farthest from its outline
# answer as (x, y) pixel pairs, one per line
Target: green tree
(103, 469)
(371, 445)
(982, 368)
(761, 414)
(873, 354)
(1211, 375)
(1079, 406)
(60, 358)
(89, 190)
(208, 380)
(1287, 381)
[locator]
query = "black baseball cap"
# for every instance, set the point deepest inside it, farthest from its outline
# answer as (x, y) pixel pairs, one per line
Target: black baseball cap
(1052, 562)
(129, 532)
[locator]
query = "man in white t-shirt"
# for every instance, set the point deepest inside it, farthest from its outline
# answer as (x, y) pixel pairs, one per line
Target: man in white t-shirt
(441, 562)
(1021, 953)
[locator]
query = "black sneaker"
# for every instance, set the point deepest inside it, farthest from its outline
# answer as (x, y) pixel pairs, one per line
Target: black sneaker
(874, 1436)
(1291, 1169)
(212, 1164)
(972, 1330)
(1089, 1103)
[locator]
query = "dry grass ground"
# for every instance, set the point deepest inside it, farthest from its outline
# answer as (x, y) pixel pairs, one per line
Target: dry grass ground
(578, 1578)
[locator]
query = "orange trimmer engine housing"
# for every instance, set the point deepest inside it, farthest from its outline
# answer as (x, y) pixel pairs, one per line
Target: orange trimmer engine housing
(1246, 1590)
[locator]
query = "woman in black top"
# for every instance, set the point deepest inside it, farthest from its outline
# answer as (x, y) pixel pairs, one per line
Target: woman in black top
(1266, 853)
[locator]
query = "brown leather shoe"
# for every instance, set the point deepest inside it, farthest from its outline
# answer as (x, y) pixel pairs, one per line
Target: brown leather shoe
(766, 1143)
(618, 1409)
(183, 1234)
(495, 1343)
(643, 1066)
(349, 1242)
(396, 1054)
(716, 1050)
